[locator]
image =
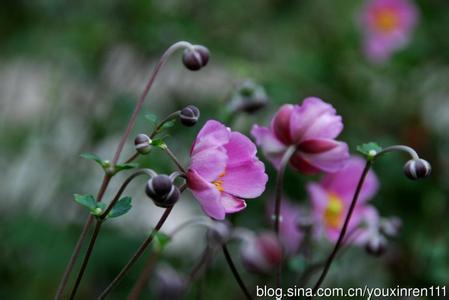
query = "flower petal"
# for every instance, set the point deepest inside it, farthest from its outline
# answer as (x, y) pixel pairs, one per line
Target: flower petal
(210, 162)
(272, 147)
(213, 134)
(299, 163)
(345, 181)
(281, 124)
(246, 180)
(206, 194)
(239, 149)
(232, 204)
(314, 119)
(329, 161)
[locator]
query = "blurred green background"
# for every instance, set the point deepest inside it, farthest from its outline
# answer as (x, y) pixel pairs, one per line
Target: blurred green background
(71, 72)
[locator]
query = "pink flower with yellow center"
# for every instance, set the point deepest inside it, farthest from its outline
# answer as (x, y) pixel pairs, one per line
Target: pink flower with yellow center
(312, 128)
(224, 170)
(387, 26)
(332, 197)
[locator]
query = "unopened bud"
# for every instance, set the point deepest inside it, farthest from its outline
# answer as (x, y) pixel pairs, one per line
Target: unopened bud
(248, 98)
(162, 191)
(195, 58)
(261, 254)
(219, 233)
(142, 143)
(189, 115)
(169, 284)
(417, 168)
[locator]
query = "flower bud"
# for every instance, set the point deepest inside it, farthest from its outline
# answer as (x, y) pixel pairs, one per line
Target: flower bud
(261, 254)
(249, 98)
(417, 168)
(169, 284)
(142, 143)
(219, 233)
(189, 115)
(376, 245)
(163, 192)
(196, 58)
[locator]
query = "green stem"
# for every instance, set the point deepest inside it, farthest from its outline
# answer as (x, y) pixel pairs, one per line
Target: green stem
(236, 273)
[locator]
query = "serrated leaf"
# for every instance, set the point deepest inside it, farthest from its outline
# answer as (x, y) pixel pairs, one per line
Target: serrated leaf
(152, 118)
(87, 201)
(159, 143)
(161, 240)
(121, 207)
(369, 149)
(94, 157)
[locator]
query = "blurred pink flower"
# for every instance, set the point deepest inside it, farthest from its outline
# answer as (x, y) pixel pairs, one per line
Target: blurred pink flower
(332, 197)
(387, 25)
(224, 169)
(290, 233)
(261, 253)
(312, 128)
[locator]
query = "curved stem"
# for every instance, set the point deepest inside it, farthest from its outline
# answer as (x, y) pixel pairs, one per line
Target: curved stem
(79, 243)
(344, 229)
(174, 159)
(100, 220)
(132, 120)
(400, 148)
(144, 276)
(278, 199)
(139, 251)
(236, 273)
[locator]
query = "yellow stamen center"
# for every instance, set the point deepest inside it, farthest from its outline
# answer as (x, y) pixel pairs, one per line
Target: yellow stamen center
(334, 211)
(219, 182)
(386, 20)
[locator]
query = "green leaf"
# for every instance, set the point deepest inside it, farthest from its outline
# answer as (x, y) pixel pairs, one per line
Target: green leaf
(168, 124)
(127, 166)
(99, 209)
(159, 143)
(152, 118)
(161, 240)
(86, 201)
(121, 207)
(369, 149)
(96, 158)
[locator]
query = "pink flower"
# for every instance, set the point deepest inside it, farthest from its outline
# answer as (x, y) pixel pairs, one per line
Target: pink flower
(290, 233)
(387, 25)
(224, 169)
(261, 253)
(332, 197)
(312, 128)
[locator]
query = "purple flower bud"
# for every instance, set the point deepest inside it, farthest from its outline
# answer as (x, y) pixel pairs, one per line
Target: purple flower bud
(142, 143)
(417, 168)
(248, 98)
(189, 115)
(262, 253)
(162, 191)
(196, 58)
(169, 284)
(376, 245)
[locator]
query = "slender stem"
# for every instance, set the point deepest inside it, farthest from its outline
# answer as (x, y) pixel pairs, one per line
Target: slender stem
(278, 199)
(132, 120)
(79, 243)
(136, 255)
(344, 229)
(175, 159)
(144, 276)
(236, 273)
(86, 259)
(100, 220)
(400, 148)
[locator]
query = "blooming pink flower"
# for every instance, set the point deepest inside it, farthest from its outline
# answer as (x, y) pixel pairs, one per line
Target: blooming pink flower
(290, 233)
(312, 128)
(387, 25)
(224, 169)
(332, 197)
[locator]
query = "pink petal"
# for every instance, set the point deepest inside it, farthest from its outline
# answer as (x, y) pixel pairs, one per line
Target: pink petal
(317, 145)
(344, 182)
(206, 194)
(329, 161)
(318, 197)
(213, 134)
(232, 204)
(314, 119)
(272, 147)
(281, 124)
(239, 149)
(298, 162)
(209, 163)
(246, 180)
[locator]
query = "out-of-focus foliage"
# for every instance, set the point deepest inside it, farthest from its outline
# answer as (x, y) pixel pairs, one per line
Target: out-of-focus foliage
(70, 73)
